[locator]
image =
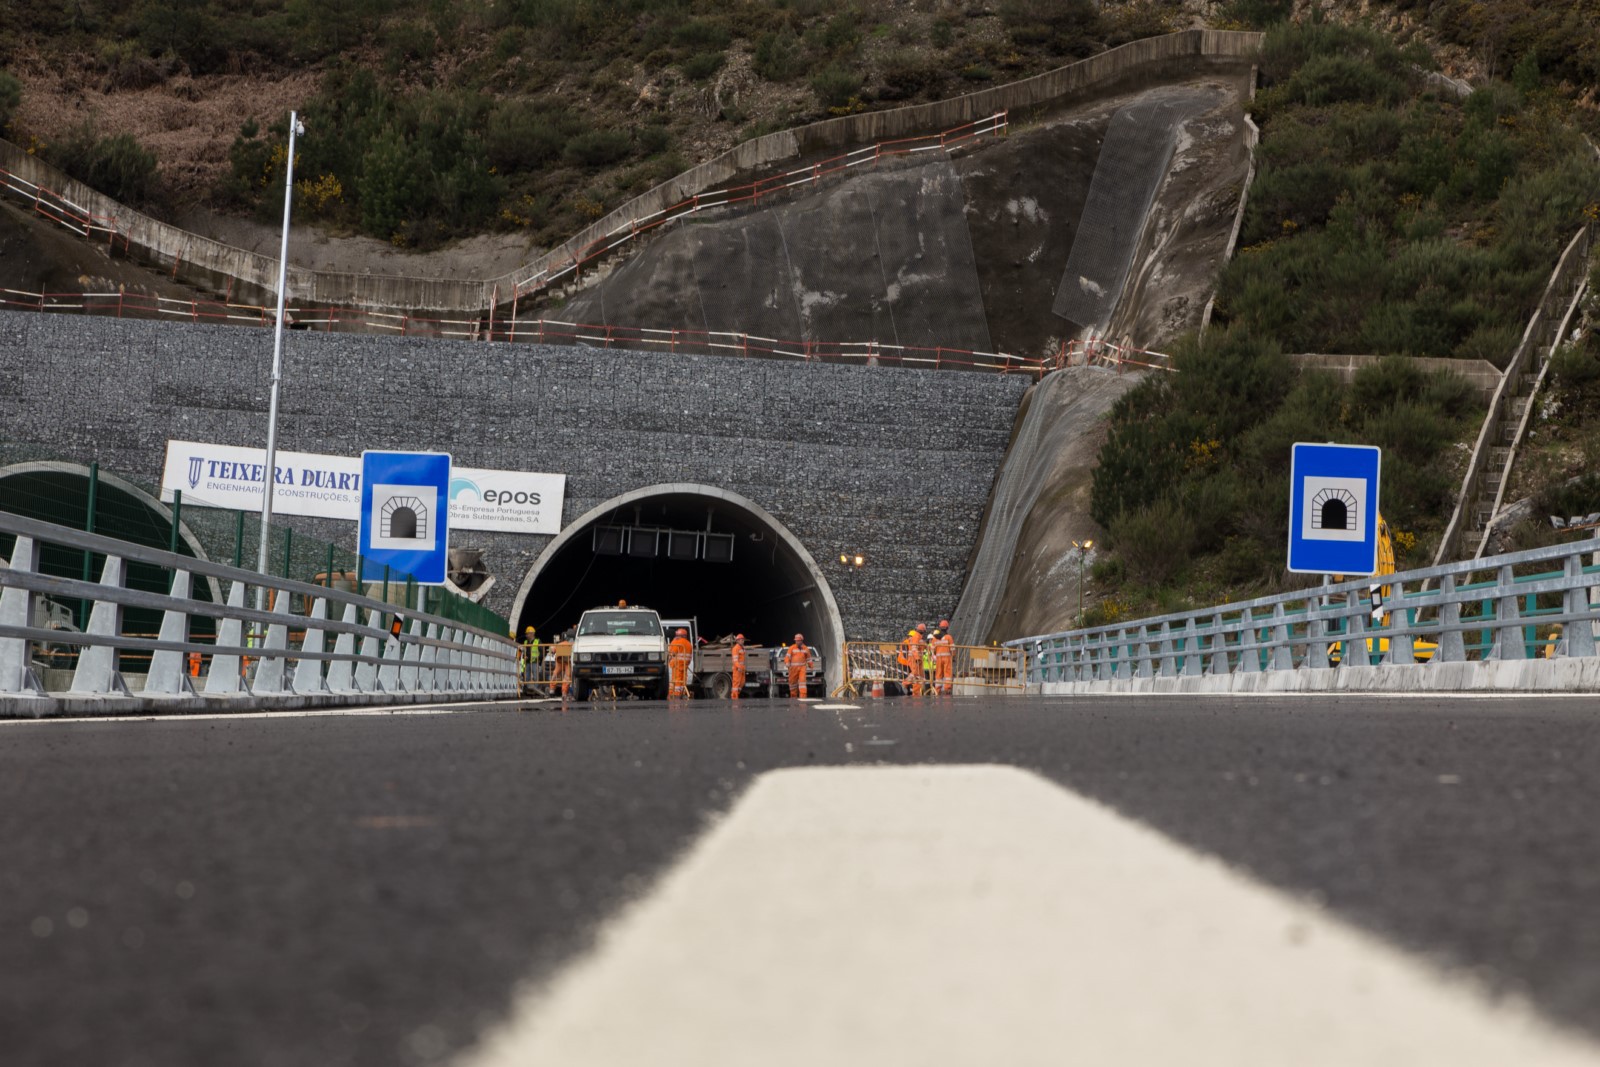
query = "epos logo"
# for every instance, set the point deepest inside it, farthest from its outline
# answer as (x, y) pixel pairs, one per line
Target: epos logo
(502, 498)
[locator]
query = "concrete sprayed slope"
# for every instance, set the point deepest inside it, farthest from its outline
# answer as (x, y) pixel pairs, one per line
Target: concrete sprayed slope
(1041, 492)
(884, 255)
(1133, 163)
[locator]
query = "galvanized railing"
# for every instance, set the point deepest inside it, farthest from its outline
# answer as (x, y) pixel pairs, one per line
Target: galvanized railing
(347, 649)
(1448, 627)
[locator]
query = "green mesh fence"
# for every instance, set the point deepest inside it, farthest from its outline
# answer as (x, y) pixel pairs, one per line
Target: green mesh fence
(117, 505)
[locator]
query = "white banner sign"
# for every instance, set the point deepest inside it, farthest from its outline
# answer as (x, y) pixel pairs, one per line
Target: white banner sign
(329, 487)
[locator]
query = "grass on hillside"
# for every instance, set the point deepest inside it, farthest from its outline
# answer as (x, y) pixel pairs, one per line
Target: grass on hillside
(437, 120)
(1384, 219)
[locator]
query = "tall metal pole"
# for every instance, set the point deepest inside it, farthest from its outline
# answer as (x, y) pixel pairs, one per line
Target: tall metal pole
(277, 370)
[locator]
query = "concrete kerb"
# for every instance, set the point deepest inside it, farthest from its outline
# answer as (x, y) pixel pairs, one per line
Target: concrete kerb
(68, 704)
(1567, 675)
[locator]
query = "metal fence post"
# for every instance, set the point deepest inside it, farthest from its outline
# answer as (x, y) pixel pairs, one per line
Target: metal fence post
(1579, 633)
(1249, 658)
(227, 668)
(88, 527)
(97, 664)
(1452, 645)
(167, 675)
(1508, 636)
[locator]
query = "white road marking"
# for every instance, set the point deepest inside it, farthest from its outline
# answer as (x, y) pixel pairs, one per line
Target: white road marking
(982, 915)
(304, 713)
(838, 707)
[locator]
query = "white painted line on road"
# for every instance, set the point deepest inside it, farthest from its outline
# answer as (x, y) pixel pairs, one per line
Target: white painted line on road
(893, 916)
(838, 707)
(302, 713)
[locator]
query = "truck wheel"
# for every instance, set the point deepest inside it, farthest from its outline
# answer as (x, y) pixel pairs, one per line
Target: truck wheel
(718, 686)
(663, 689)
(580, 689)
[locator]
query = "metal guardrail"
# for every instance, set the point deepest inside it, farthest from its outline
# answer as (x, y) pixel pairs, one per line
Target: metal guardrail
(418, 656)
(1541, 603)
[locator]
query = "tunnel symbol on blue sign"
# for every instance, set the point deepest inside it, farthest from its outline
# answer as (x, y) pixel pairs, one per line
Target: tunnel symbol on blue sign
(1333, 509)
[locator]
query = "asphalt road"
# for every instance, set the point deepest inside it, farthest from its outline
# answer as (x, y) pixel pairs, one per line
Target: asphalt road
(371, 889)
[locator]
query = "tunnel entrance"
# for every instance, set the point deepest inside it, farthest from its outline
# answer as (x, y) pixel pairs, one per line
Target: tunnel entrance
(685, 550)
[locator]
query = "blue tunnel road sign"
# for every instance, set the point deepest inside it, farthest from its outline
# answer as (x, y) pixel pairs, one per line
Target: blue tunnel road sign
(404, 515)
(1333, 509)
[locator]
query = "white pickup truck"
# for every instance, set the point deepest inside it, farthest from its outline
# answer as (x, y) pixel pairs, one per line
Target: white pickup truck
(622, 647)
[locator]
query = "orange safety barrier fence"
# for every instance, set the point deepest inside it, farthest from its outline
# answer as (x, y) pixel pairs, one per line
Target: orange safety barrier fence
(58, 209)
(887, 668)
(556, 331)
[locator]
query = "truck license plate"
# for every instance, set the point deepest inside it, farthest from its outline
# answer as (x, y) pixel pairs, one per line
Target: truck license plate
(616, 670)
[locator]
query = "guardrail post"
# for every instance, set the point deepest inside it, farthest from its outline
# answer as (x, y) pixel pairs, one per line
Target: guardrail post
(1580, 631)
(270, 674)
(1402, 645)
(167, 675)
(1219, 646)
(1282, 658)
(1316, 635)
(342, 671)
(1121, 655)
(389, 673)
(1142, 668)
(1192, 660)
(1169, 662)
(1508, 621)
(1355, 632)
(226, 674)
(410, 657)
(1249, 658)
(16, 609)
(97, 664)
(1452, 646)
(427, 675)
(308, 672)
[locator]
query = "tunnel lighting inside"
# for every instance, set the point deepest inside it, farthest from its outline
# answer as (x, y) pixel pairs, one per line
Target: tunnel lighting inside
(684, 555)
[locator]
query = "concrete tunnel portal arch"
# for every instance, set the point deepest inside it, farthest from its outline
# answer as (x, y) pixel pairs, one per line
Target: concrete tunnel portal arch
(769, 589)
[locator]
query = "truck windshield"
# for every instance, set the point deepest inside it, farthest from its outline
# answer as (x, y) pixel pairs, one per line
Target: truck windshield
(618, 623)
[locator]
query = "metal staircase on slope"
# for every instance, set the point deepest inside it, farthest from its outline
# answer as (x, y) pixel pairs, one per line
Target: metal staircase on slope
(1510, 412)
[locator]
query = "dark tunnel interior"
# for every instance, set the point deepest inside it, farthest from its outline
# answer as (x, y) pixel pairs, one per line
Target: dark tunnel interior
(641, 552)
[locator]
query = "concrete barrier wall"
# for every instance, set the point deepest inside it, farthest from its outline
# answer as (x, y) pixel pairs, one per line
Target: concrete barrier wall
(1516, 676)
(1480, 373)
(224, 268)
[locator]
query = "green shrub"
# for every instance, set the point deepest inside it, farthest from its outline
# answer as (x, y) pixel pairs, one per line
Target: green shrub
(779, 57)
(598, 148)
(120, 167)
(702, 66)
(10, 98)
(519, 137)
(835, 85)
(1154, 542)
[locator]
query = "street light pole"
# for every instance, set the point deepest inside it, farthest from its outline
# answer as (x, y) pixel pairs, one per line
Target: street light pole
(1083, 548)
(270, 471)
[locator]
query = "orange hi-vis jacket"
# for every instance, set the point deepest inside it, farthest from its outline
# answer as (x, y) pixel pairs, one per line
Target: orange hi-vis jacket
(944, 647)
(797, 656)
(680, 647)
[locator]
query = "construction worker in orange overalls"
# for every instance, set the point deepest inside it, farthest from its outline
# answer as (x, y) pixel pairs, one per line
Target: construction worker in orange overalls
(797, 658)
(679, 653)
(944, 659)
(737, 655)
(194, 664)
(911, 657)
(562, 671)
